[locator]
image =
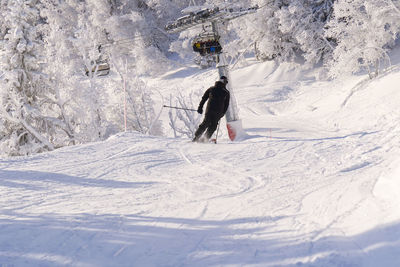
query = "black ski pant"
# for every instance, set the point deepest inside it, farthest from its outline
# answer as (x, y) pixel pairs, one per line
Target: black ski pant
(210, 124)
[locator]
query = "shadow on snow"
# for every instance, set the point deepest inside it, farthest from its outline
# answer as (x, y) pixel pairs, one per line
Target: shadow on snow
(136, 240)
(24, 179)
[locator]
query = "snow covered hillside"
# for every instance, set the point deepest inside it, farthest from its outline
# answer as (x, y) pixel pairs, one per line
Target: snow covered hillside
(314, 183)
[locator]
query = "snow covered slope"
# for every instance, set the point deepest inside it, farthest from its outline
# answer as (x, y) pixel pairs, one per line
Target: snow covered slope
(315, 183)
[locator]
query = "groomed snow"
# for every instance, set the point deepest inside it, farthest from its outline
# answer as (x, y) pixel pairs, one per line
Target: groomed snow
(315, 182)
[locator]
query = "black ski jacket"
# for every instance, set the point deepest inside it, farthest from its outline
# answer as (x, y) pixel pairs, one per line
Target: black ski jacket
(218, 100)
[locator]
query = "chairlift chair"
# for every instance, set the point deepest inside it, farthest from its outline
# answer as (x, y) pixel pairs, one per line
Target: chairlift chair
(207, 43)
(101, 68)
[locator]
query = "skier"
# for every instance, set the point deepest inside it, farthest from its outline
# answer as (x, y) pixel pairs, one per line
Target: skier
(218, 102)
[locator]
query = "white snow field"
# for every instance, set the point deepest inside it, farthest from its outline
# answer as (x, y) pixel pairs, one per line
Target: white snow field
(315, 182)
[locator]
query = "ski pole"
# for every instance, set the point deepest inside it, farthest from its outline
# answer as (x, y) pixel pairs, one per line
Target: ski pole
(216, 136)
(165, 106)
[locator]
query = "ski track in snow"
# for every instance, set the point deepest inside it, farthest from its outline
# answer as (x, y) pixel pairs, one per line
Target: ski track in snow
(290, 194)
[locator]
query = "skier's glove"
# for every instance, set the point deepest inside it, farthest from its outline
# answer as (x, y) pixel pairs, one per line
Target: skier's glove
(200, 110)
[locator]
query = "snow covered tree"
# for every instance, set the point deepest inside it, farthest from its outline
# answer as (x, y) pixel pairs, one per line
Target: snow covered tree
(63, 67)
(67, 60)
(263, 30)
(90, 37)
(184, 122)
(25, 128)
(283, 30)
(142, 106)
(3, 10)
(80, 37)
(77, 40)
(304, 22)
(134, 100)
(133, 55)
(364, 30)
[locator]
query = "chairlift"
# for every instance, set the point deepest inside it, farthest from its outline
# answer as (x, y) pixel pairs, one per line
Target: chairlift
(207, 43)
(184, 20)
(193, 16)
(101, 68)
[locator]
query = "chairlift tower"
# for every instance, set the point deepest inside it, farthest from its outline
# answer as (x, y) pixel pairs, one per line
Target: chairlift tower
(216, 16)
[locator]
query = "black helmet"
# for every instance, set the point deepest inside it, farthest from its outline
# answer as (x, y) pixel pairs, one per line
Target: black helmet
(223, 79)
